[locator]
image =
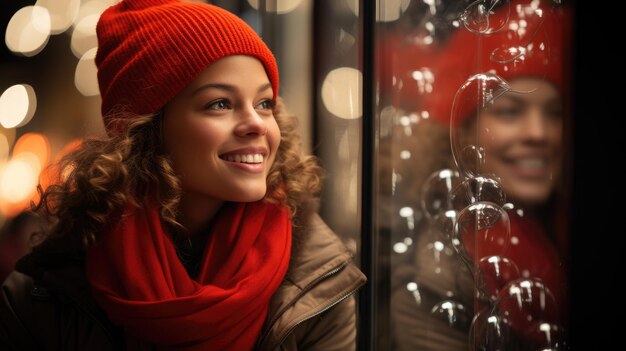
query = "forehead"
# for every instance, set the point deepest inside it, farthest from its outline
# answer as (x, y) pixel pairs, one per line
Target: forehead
(532, 90)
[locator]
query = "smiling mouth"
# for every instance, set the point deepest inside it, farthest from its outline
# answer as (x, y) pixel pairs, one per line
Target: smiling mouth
(244, 158)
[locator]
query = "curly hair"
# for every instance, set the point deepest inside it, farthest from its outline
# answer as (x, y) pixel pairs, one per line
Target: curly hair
(97, 181)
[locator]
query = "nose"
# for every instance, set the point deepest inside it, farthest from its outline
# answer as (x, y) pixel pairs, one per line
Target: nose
(250, 123)
(535, 126)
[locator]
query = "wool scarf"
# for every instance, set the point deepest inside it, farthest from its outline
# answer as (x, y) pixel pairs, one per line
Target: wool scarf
(139, 281)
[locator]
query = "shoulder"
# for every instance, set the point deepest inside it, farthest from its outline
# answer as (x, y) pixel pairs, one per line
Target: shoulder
(316, 249)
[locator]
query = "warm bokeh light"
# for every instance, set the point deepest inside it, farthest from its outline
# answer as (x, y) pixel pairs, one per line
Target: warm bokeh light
(18, 181)
(391, 10)
(341, 92)
(93, 7)
(84, 35)
(4, 147)
(17, 105)
(36, 144)
(62, 13)
(277, 6)
(9, 134)
(86, 77)
(52, 173)
(28, 30)
(19, 176)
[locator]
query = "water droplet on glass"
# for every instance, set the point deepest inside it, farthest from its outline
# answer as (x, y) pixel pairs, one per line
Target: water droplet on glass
(482, 229)
(436, 191)
(475, 189)
(525, 302)
(453, 313)
(494, 273)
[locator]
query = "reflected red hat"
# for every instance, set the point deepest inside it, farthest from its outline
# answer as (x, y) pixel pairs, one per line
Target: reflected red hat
(149, 50)
(523, 39)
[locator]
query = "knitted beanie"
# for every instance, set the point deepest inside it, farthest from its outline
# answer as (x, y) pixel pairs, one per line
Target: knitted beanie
(149, 50)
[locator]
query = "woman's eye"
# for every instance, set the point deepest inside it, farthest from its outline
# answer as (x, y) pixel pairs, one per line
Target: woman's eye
(218, 105)
(507, 112)
(266, 104)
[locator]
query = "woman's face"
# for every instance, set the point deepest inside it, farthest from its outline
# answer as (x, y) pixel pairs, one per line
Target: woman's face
(221, 134)
(522, 137)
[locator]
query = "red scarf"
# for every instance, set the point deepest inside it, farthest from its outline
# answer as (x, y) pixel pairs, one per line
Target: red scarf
(138, 280)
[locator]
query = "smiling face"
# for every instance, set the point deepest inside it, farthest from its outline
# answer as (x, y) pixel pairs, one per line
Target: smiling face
(522, 136)
(221, 135)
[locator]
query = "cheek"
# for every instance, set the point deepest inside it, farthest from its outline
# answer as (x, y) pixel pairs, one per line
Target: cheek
(273, 135)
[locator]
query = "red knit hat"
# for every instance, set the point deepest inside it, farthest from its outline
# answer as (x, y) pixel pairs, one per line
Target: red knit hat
(149, 50)
(530, 39)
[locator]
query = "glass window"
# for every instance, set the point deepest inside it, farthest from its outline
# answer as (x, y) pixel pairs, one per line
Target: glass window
(473, 173)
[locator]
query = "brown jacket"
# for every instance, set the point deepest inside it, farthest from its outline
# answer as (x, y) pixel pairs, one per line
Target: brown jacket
(313, 309)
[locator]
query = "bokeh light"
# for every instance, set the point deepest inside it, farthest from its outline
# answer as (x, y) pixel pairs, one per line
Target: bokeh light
(277, 6)
(341, 92)
(28, 31)
(36, 144)
(86, 76)
(17, 105)
(84, 36)
(62, 13)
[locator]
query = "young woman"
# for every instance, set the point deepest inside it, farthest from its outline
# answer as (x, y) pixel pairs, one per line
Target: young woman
(192, 225)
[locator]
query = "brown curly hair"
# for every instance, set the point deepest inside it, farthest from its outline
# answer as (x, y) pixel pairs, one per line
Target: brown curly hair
(98, 180)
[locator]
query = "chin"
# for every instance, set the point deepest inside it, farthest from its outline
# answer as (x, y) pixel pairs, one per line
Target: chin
(529, 198)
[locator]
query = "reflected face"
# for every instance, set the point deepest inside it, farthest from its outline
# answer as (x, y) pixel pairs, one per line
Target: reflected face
(522, 135)
(221, 134)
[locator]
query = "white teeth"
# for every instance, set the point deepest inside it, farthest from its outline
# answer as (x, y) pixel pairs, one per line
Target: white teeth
(249, 158)
(531, 163)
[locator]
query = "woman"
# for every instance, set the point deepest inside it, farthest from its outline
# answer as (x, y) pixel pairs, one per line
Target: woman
(192, 225)
(441, 302)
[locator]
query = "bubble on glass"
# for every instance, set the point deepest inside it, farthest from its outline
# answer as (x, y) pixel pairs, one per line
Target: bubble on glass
(436, 190)
(493, 274)
(478, 92)
(279, 7)
(548, 337)
(475, 189)
(444, 225)
(28, 31)
(341, 92)
(488, 332)
(17, 106)
(453, 313)
(478, 17)
(481, 229)
(62, 13)
(86, 75)
(524, 304)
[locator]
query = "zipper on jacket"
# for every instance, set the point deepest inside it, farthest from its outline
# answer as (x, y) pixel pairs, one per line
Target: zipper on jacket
(317, 313)
(304, 290)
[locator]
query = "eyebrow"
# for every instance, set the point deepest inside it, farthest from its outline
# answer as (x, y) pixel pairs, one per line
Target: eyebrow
(516, 99)
(227, 87)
